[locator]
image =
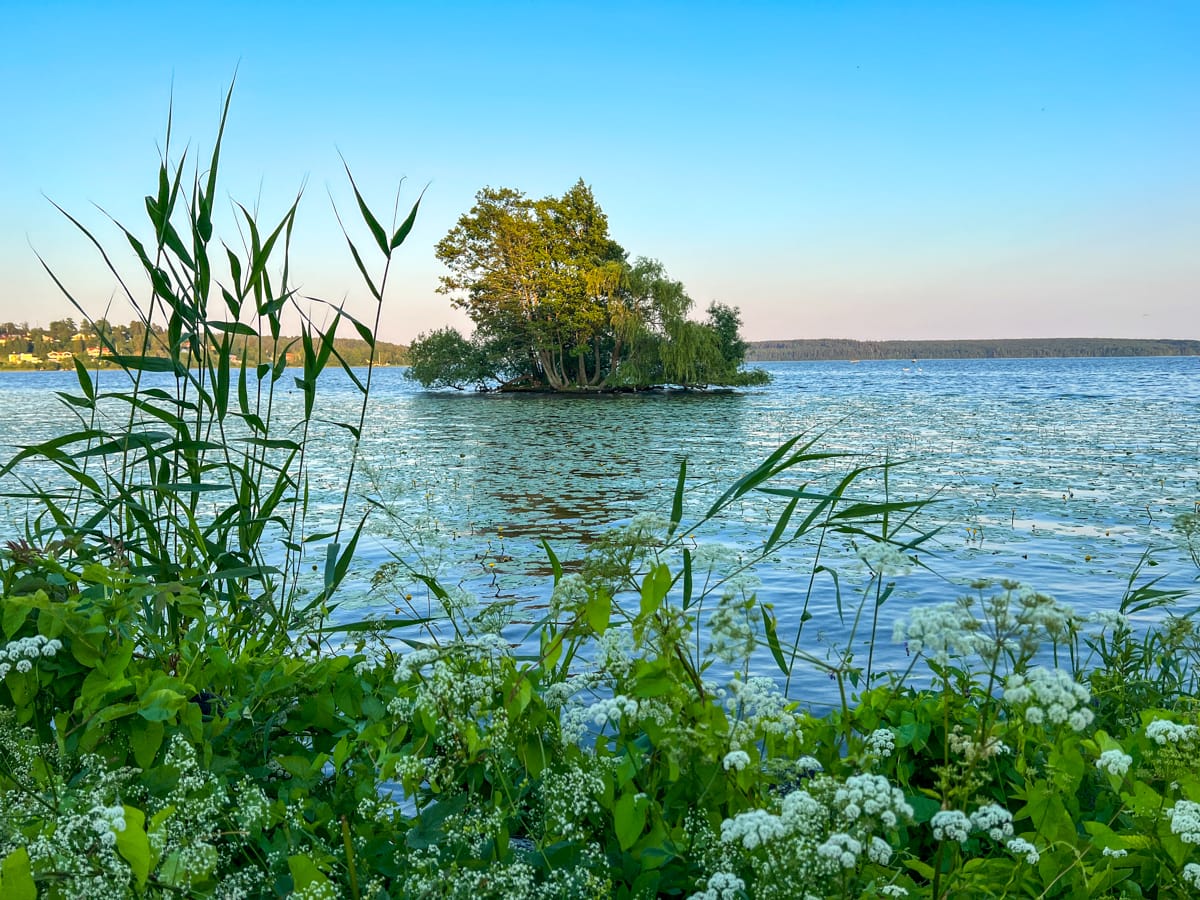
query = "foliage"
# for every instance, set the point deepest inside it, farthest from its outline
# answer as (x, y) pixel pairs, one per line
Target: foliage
(557, 305)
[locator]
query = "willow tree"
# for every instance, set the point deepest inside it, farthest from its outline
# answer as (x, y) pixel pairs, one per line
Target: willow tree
(556, 304)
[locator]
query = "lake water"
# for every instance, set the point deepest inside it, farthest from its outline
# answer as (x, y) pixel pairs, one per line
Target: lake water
(1058, 473)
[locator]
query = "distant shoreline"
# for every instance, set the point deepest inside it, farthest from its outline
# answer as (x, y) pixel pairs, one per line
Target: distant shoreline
(817, 349)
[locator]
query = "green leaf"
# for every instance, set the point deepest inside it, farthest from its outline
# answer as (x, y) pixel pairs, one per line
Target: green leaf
(305, 875)
(160, 704)
(654, 588)
(372, 223)
(16, 876)
(599, 611)
(134, 844)
(629, 819)
(406, 226)
(677, 500)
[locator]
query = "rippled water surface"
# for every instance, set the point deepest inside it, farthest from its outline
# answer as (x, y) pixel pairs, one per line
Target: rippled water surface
(1059, 473)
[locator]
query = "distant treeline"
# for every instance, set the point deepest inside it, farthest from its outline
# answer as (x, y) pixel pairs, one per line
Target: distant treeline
(31, 347)
(838, 348)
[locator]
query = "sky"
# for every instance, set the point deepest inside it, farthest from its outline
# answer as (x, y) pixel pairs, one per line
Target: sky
(864, 170)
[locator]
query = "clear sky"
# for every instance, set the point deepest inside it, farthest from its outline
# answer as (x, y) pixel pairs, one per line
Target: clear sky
(861, 170)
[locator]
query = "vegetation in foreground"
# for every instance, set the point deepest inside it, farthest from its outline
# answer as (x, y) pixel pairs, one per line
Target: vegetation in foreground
(176, 720)
(557, 305)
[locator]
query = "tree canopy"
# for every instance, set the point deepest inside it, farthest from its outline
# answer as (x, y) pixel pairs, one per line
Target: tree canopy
(557, 304)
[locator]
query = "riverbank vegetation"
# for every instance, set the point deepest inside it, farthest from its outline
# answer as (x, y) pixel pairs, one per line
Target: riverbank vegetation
(186, 712)
(94, 343)
(1025, 348)
(557, 305)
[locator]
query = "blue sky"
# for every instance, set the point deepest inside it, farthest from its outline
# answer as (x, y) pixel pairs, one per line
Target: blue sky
(863, 170)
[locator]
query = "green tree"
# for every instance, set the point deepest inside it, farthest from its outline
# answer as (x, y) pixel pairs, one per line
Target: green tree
(556, 304)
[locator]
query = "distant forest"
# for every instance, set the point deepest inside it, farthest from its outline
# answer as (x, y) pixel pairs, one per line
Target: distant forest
(837, 348)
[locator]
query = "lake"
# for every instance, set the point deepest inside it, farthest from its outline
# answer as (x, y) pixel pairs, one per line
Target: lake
(1058, 473)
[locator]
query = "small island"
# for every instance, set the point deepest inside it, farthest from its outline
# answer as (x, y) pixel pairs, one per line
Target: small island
(558, 306)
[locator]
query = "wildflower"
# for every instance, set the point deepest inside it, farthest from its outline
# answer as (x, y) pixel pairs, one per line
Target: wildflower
(842, 849)
(1114, 762)
(881, 743)
(995, 820)
(893, 890)
(1050, 695)
(1114, 852)
(1185, 820)
(1022, 847)
(1162, 731)
(1191, 875)
(809, 765)
(721, 886)
(752, 829)
(737, 760)
(885, 559)
(879, 851)
(951, 825)
(939, 629)
(871, 795)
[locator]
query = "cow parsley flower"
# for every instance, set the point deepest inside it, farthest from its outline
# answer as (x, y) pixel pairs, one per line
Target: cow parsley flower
(881, 743)
(995, 820)
(736, 760)
(1050, 695)
(1164, 731)
(951, 825)
(721, 886)
(1185, 820)
(752, 829)
(1114, 852)
(1191, 875)
(842, 849)
(1022, 847)
(1114, 762)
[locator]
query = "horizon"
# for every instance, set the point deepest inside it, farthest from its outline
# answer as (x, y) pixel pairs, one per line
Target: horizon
(878, 173)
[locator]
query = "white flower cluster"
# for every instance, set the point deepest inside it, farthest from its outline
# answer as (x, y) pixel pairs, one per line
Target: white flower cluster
(762, 706)
(1114, 762)
(736, 760)
(1108, 619)
(1185, 820)
(1114, 852)
(872, 796)
(951, 825)
(569, 803)
(808, 765)
(939, 630)
(106, 822)
(731, 629)
(1191, 875)
(881, 743)
(841, 849)
(721, 886)
(615, 651)
(1050, 695)
(894, 890)
(885, 559)
(971, 750)
(21, 653)
(1164, 731)
(752, 829)
(1022, 847)
(879, 851)
(576, 719)
(569, 595)
(995, 821)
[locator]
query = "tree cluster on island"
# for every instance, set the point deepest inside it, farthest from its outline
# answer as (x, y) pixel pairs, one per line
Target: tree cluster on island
(558, 305)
